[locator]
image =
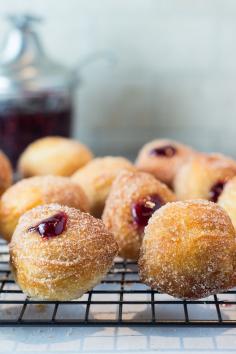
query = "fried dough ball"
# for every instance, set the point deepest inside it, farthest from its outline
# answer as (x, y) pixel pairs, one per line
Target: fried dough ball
(163, 158)
(53, 155)
(188, 250)
(227, 199)
(5, 172)
(97, 177)
(204, 177)
(59, 253)
(30, 192)
(134, 197)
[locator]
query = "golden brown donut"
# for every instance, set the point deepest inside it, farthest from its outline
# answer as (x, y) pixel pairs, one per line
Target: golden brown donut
(188, 250)
(5, 172)
(163, 158)
(133, 199)
(30, 192)
(53, 155)
(59, 253)
(96, 179)
(227, 199)
(204, 177)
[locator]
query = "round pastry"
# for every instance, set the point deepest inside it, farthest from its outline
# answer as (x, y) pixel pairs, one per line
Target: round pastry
(163, 158)
(53, 155)
(97, 177)
(188, 250)
(5, 172)
(30, 192)
(59, 253)
(134, 197)
(227, 199)
(204, 177)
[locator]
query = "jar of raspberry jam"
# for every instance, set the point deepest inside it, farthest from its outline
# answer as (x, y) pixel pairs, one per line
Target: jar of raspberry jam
(36, 93)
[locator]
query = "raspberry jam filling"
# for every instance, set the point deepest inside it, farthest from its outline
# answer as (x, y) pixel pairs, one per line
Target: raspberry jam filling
(216, 191)
(52, 226)
(165, 151)
(143, 210)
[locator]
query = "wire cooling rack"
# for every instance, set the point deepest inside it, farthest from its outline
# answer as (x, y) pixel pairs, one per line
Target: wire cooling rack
(120, 300)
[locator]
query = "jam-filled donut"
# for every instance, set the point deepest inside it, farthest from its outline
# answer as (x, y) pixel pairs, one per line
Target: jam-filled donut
(53, 155)
(5, 172)
(59, 253)
(188, 250)
(227, 199)
(163, 158)
(134, 197)
(97, 177)
(30, 192)
(204, 177)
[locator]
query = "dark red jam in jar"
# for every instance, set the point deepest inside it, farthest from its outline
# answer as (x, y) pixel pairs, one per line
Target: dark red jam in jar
(25, 120)
(52, 226)
(164, 151)
(142, 210)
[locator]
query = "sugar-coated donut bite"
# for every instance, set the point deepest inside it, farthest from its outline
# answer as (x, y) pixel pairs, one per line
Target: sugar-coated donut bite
(53, 155)
(97, 177)
(188, 250)
(134, 197)
(227, 199)
(163, 158)
(30, 192)
(204, 177)
(59, 253)
(5, 172)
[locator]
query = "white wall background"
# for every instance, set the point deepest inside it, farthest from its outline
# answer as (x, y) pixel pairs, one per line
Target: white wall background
(175, 73)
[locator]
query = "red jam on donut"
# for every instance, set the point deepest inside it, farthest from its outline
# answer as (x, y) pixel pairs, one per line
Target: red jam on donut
(216, 191)
(52, 226)
(143, 210)
(165, 151)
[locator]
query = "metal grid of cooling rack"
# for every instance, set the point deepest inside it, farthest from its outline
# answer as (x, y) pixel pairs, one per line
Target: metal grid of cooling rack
(120, 300)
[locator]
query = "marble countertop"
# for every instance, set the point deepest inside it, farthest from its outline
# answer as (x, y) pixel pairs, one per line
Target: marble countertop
(118, 340)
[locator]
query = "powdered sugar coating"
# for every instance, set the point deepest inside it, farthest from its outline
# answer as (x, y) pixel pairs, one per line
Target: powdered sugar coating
(163, 168)
(64, 267)
(30, 192)
(96, 178)
(189, 250)
(128, 188)
(199, 174)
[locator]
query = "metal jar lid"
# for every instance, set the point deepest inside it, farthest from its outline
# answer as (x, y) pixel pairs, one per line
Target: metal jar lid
(24, 66)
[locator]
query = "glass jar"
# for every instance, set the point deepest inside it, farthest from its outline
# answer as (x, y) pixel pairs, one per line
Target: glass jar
(36, 93)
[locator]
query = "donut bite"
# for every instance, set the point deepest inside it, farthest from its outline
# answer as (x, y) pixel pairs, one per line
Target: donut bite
(5, 172)
(134, 197)
(58, 253)
(204, 177)
(53, 155)
(97, 177)
(188, 250)
(163, 158)
(30, 192)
